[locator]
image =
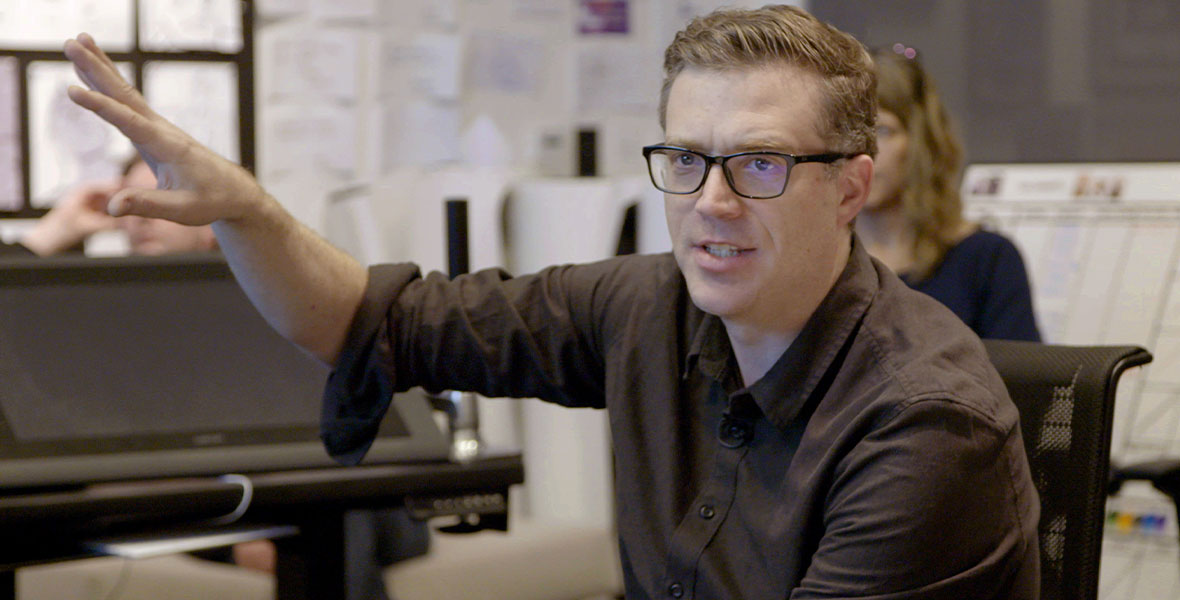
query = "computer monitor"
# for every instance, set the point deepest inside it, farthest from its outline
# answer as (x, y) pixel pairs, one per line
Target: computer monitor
(145, 367)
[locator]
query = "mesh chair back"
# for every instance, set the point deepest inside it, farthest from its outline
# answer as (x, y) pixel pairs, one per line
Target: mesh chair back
(1065, 395)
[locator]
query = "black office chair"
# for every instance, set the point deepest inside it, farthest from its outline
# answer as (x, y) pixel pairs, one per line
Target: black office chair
(1065, 395)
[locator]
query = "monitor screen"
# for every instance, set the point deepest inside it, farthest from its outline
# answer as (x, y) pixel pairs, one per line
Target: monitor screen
(138, 367)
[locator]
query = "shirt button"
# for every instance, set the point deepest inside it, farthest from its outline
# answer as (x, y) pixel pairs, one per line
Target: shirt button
(706, 511)
(734, 433)
(676, 590)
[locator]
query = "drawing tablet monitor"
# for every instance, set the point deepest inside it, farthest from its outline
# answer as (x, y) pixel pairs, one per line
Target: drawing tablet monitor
(140, 367)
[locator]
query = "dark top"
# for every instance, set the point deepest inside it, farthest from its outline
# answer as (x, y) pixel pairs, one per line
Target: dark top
(880, 457)
(982, 279)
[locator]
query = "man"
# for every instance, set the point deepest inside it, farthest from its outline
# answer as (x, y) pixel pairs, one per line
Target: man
(789, 420)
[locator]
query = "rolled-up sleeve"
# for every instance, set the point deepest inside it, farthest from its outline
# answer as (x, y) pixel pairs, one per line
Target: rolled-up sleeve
(360, 388)
(534, 336)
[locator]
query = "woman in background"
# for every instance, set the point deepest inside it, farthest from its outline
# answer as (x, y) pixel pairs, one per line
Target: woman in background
(913, 220)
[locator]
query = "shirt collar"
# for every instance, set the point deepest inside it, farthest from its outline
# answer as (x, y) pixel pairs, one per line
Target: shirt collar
(783, 392)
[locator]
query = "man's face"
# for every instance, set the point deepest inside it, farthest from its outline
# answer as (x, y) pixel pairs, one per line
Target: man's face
(763, 264)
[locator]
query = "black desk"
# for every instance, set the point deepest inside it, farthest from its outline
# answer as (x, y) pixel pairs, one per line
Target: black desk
(53, 526)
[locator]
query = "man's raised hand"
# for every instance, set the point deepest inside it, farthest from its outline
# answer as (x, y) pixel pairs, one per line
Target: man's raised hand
(195, 185)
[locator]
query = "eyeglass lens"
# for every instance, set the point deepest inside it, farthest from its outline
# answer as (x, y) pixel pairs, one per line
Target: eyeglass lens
(755, 175)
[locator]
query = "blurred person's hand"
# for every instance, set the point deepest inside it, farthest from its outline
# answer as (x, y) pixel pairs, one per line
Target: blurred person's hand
(77, 215)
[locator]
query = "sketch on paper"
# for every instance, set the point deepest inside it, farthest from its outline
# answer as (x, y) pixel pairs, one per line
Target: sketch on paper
(67, 143)
(321, 64)
(503, 63)
(200, 98)
(42, 25)
(11, 179)
(166, 25)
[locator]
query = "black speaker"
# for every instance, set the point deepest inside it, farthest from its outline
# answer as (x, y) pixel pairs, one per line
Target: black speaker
(587, 152)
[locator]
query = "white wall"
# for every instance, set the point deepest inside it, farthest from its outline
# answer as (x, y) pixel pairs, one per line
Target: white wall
(356, 93)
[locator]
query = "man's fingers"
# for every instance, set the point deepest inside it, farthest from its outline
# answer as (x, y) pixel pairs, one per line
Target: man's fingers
(99, 73)
(82, 75)
(173, 205)
(88, 42)
(92, 46)
(103, 191)
(140, 130)
(132, 124)
(90, 68)
(120, 205)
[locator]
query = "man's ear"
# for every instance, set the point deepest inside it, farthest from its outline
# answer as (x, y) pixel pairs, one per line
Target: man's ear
(855, 177)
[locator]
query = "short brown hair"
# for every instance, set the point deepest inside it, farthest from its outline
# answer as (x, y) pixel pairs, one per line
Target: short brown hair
(729, 38)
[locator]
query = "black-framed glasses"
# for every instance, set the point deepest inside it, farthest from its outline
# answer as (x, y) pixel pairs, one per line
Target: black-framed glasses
(755, 175)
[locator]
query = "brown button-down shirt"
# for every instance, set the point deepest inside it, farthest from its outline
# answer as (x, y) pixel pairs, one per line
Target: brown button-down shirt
(879, 458)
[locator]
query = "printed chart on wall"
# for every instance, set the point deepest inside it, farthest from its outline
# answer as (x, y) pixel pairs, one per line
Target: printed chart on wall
(1102, 246)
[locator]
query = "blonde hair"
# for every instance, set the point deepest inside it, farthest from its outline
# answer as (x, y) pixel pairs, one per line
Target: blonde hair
(729, 39)
(930, 195)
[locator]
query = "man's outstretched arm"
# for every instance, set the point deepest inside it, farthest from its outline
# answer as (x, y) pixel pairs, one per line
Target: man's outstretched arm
(306, 289)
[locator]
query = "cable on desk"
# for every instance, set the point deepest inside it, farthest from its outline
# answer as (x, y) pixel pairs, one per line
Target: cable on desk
(121, 581)
(243, 504)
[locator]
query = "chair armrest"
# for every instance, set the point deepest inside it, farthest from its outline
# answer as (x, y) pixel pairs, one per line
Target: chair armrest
(1164, 475)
